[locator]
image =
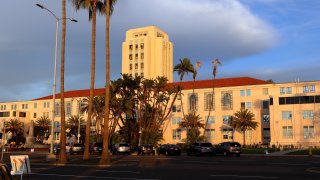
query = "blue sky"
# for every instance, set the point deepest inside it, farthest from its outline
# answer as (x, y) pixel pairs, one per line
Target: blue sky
(264, 39)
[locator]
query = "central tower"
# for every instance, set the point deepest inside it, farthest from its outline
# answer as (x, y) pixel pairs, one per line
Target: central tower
(147, 52)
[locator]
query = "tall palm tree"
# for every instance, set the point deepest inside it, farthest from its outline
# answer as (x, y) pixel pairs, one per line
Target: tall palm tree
(93, 6)
(105, 158)
(195, 72)
(243, 120)
(215, 62)
(183, 68)
(63, 157)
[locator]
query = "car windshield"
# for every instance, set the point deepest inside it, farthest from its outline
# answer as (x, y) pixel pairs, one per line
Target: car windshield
(125, 145)
(206, 144)
(235, 144)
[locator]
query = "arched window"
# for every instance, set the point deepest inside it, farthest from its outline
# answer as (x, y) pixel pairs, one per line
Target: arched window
(208, 101)
(193, 102)
(226, 100)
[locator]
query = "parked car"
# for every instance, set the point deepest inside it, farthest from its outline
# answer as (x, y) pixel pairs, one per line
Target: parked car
(56, 148)
(200, 148)
(169, 149)
(228, 148)
(121, 148)
(96, 148)
(146, 149)
(77, 148)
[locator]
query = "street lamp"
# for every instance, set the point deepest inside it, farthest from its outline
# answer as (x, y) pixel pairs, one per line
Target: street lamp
(54, 72)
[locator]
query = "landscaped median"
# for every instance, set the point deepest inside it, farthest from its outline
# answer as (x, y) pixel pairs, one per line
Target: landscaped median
(304, 152)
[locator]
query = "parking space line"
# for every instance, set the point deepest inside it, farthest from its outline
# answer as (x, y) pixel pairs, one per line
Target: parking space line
(239, 176)
(112, 171)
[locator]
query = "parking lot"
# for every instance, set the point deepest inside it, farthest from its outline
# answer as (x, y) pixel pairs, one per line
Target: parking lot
(178, 167)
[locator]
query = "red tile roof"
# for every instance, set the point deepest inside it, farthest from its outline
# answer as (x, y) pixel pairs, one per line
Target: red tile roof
(225, 82)
(200, 84)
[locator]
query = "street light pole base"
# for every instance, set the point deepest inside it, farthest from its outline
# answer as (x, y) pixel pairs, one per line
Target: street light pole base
(51, 157)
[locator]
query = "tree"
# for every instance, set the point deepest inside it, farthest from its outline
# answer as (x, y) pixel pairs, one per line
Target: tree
(42, 125)
(63, 157)
(195, 72)
(93, 6)
(185, 66)
(192, 123)
(215, 62)
(97, 111)
(105, 158)
(16, 128)
(243, 120)
(74, 122)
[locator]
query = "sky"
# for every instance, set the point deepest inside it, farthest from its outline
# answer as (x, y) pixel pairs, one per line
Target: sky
(263, 39)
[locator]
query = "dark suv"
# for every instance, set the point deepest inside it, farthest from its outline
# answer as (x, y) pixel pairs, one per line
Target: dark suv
(146, 149)
(200, 148)
(228, 148)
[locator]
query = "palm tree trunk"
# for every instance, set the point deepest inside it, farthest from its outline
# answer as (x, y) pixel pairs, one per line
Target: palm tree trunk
(93, 63)
(105, 157)
(206, 124)
(244, 138)
(63, 157)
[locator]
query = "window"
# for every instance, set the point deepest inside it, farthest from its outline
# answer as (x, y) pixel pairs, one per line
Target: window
(141, 45)
(227, 133)
(130, 47)
(226, 119)
(136, 66)
(193, 102)
(14, 113)
(266, 133)
(248, 92)
(312, 88)
(265, 104)
(176, 134)
(209, 134)
(35, 105)
(210, 120)
(282, 90)
(136, 56)
(24, 106)
(142, 65)
(226, 100)
(34, 115)
(13, 107)
(305, 89)
(208, 100)
(287, 132)
(265, 91)
(130, 56)
(308, 132)
(56, 124)
(248, 105)
(289, 90)
(266, 118)
(243, 105)
(176, 108)
(46, 104)
(137, 46)
(307, 114)
(57, 109)
(130, 67)
(241, 93)
(68, 109)
(22, 114)
(286, 115)
(248, 134)
(176, 120)
(142, 55)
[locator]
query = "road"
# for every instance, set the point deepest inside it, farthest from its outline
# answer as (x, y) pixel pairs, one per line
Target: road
(181, 167)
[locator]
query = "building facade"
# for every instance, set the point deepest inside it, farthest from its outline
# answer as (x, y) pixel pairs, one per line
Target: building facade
(147, 52)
